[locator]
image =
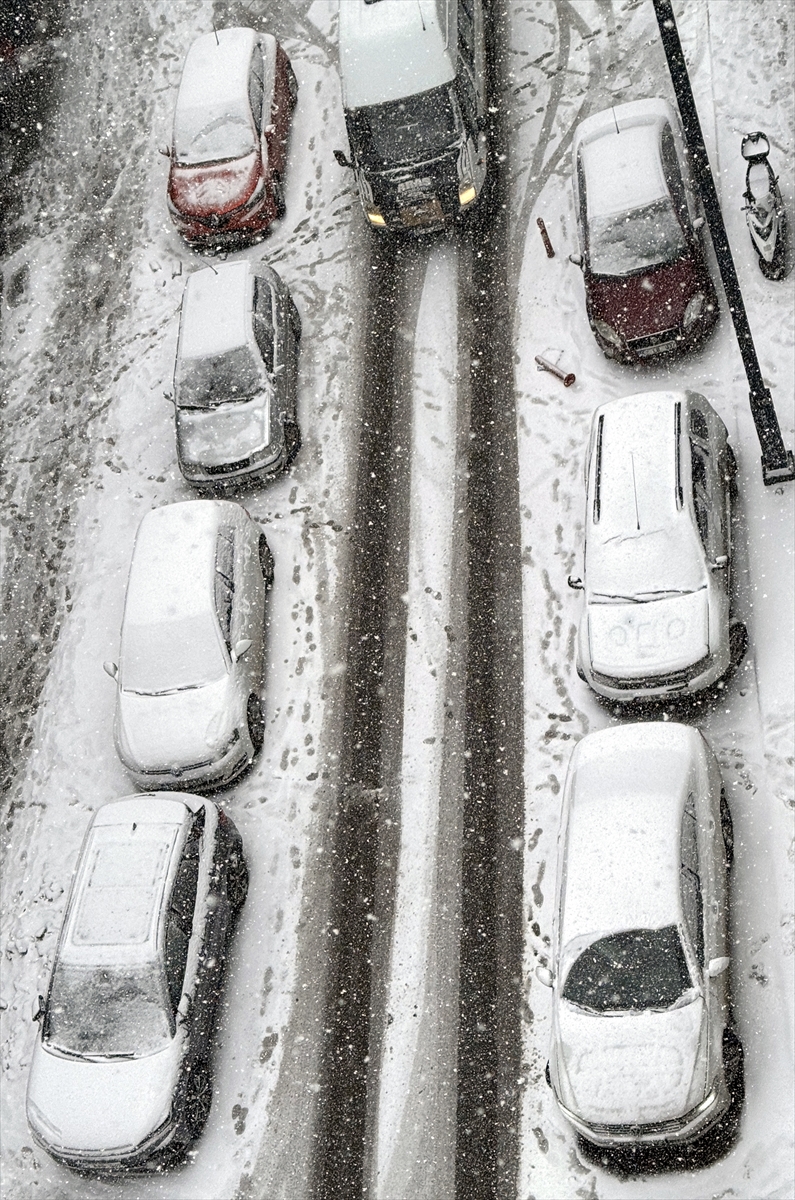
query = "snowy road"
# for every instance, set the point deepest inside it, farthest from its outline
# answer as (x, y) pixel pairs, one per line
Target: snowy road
(382, 1027)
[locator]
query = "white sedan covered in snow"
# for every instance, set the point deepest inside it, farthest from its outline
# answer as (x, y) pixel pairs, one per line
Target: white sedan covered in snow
(643, 1047)
(658, 549)
(188, 711)
(121, 1077)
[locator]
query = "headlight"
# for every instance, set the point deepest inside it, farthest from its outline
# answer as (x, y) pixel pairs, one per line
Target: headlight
(374, 217)
(694, 310)
(227, 746)
(707, 1103)
(607, 332)
(466, 194)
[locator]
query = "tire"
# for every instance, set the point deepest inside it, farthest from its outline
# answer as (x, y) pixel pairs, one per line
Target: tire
(237, 886)
(731, 472)
(727, 829)
(581, 673)
(200, 1098)
(292, 86)
(733, 1062)
(277, 187)
(266, 561)
(292, 442)
(295, 321)
(256, 724)
(738, 642)
(547, 1075)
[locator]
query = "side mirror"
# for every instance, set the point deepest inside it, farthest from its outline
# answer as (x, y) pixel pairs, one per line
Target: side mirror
(576, 259)
(716, 966)
(111, 669)
(183, 1009)
(341, 159)
(545, 976)
(164, 150)
(169, 396)
(576, 584)
(240, 648)
(721, 561)
(698, 223)
(37, 1009)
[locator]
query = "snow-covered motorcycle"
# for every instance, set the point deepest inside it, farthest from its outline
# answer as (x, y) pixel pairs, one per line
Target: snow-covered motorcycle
(764, 208)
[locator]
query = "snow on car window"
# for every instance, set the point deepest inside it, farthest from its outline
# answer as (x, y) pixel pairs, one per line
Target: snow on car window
(203, 135)
(631, 241)
(629, 972)
(118, 1011)
(168, 656)
(236, 375)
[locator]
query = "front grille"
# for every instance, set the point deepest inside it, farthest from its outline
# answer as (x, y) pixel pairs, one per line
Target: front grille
(655, 343)
(641, 1131)
(177, 772)
(670, 679)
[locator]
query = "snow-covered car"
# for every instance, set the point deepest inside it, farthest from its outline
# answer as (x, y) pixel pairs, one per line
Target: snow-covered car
(236, 375)
(188, 709)
(648, 290)
(120, 1077)
(658, 549)
(643, 1045)
(229, 146)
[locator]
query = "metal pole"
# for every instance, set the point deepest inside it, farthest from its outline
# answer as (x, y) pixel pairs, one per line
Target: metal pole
(778, 464)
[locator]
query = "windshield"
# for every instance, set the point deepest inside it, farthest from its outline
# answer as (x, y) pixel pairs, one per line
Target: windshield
(169, 656)
(117, 1012)
(205, 135)
(237, 374)
(645, 565)
(404, 131)
(633, 241)
(630, 972)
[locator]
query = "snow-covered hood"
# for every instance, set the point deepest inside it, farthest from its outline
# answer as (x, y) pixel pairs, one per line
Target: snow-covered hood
(224, 434)
(218, 188)
(94, 1106)
(634, 1068)
(178, 730)
(649, 638)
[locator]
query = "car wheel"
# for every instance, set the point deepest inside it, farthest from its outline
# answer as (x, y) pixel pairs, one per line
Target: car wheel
(731, 472)
(292, 86)
(266, 561)
(277, 187)
(256, 729)
(727, 829)
(237, 886)
(738, 642)
(200, 1098)
(581, 673)
(733, 1062)
(295, 321)
(292, 441)
(547, 1075)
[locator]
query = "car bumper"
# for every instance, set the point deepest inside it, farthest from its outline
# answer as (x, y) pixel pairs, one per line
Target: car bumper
(252, 470)
(666, 343)
(632, 691)
(198, 777)
(149, 1156)
(230, 232)
(687, 1128)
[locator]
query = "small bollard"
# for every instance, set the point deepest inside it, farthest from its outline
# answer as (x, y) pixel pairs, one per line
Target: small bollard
(567, 376)
(545, 237)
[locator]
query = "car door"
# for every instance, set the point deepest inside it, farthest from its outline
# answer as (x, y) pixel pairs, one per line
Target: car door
(248, 601)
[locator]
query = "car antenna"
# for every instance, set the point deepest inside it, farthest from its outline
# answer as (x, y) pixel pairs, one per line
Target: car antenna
(422, 18)
(612, 109)
(215, 31)
(634, 489)
(212, 268)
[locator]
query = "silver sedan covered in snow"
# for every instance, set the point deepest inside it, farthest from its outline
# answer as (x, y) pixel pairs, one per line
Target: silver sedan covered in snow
(658, 549)
(188, 710)
(643, 1049)
(120, 1077)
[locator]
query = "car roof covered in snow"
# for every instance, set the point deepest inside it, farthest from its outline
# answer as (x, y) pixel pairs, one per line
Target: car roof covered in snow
(638, 475)
(124, 868)
(620, 151)
(625, 793)
(216, 69)
(216, 310)
(173, 563)
(390, 49)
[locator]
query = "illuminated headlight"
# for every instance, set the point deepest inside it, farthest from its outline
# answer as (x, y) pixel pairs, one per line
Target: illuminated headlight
(694, 310)
(375, 217)
(466, 195)
(607, 332)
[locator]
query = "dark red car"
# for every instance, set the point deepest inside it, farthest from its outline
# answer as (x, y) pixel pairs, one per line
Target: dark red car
(647, 286)
(231, 125)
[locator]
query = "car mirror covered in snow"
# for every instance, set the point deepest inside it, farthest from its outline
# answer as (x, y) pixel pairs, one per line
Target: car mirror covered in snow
(111, 669)
(37, 1009)
(576, 259)
(341, 158)
(545, 976)
(240, 648)
(716, 966)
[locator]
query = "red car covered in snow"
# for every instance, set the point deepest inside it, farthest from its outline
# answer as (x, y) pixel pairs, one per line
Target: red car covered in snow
(647, 285)
(229, 147)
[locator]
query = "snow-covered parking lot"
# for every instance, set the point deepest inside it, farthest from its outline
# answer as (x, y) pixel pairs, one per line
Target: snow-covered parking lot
(382, 1029)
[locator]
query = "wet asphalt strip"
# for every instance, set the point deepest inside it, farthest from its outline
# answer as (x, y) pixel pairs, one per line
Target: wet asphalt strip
(489, 1049)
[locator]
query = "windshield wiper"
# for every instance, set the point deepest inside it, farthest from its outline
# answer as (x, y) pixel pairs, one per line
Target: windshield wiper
(616, 596)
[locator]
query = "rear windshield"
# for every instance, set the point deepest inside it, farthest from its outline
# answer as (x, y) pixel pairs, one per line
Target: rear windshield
(404, 131)
(205, 135)
(238, 374)
(170, 656)
(629, 972)
(635, 240)
(107, 1011)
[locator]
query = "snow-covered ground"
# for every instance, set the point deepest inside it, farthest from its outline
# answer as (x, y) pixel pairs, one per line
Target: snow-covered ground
(88, 350)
